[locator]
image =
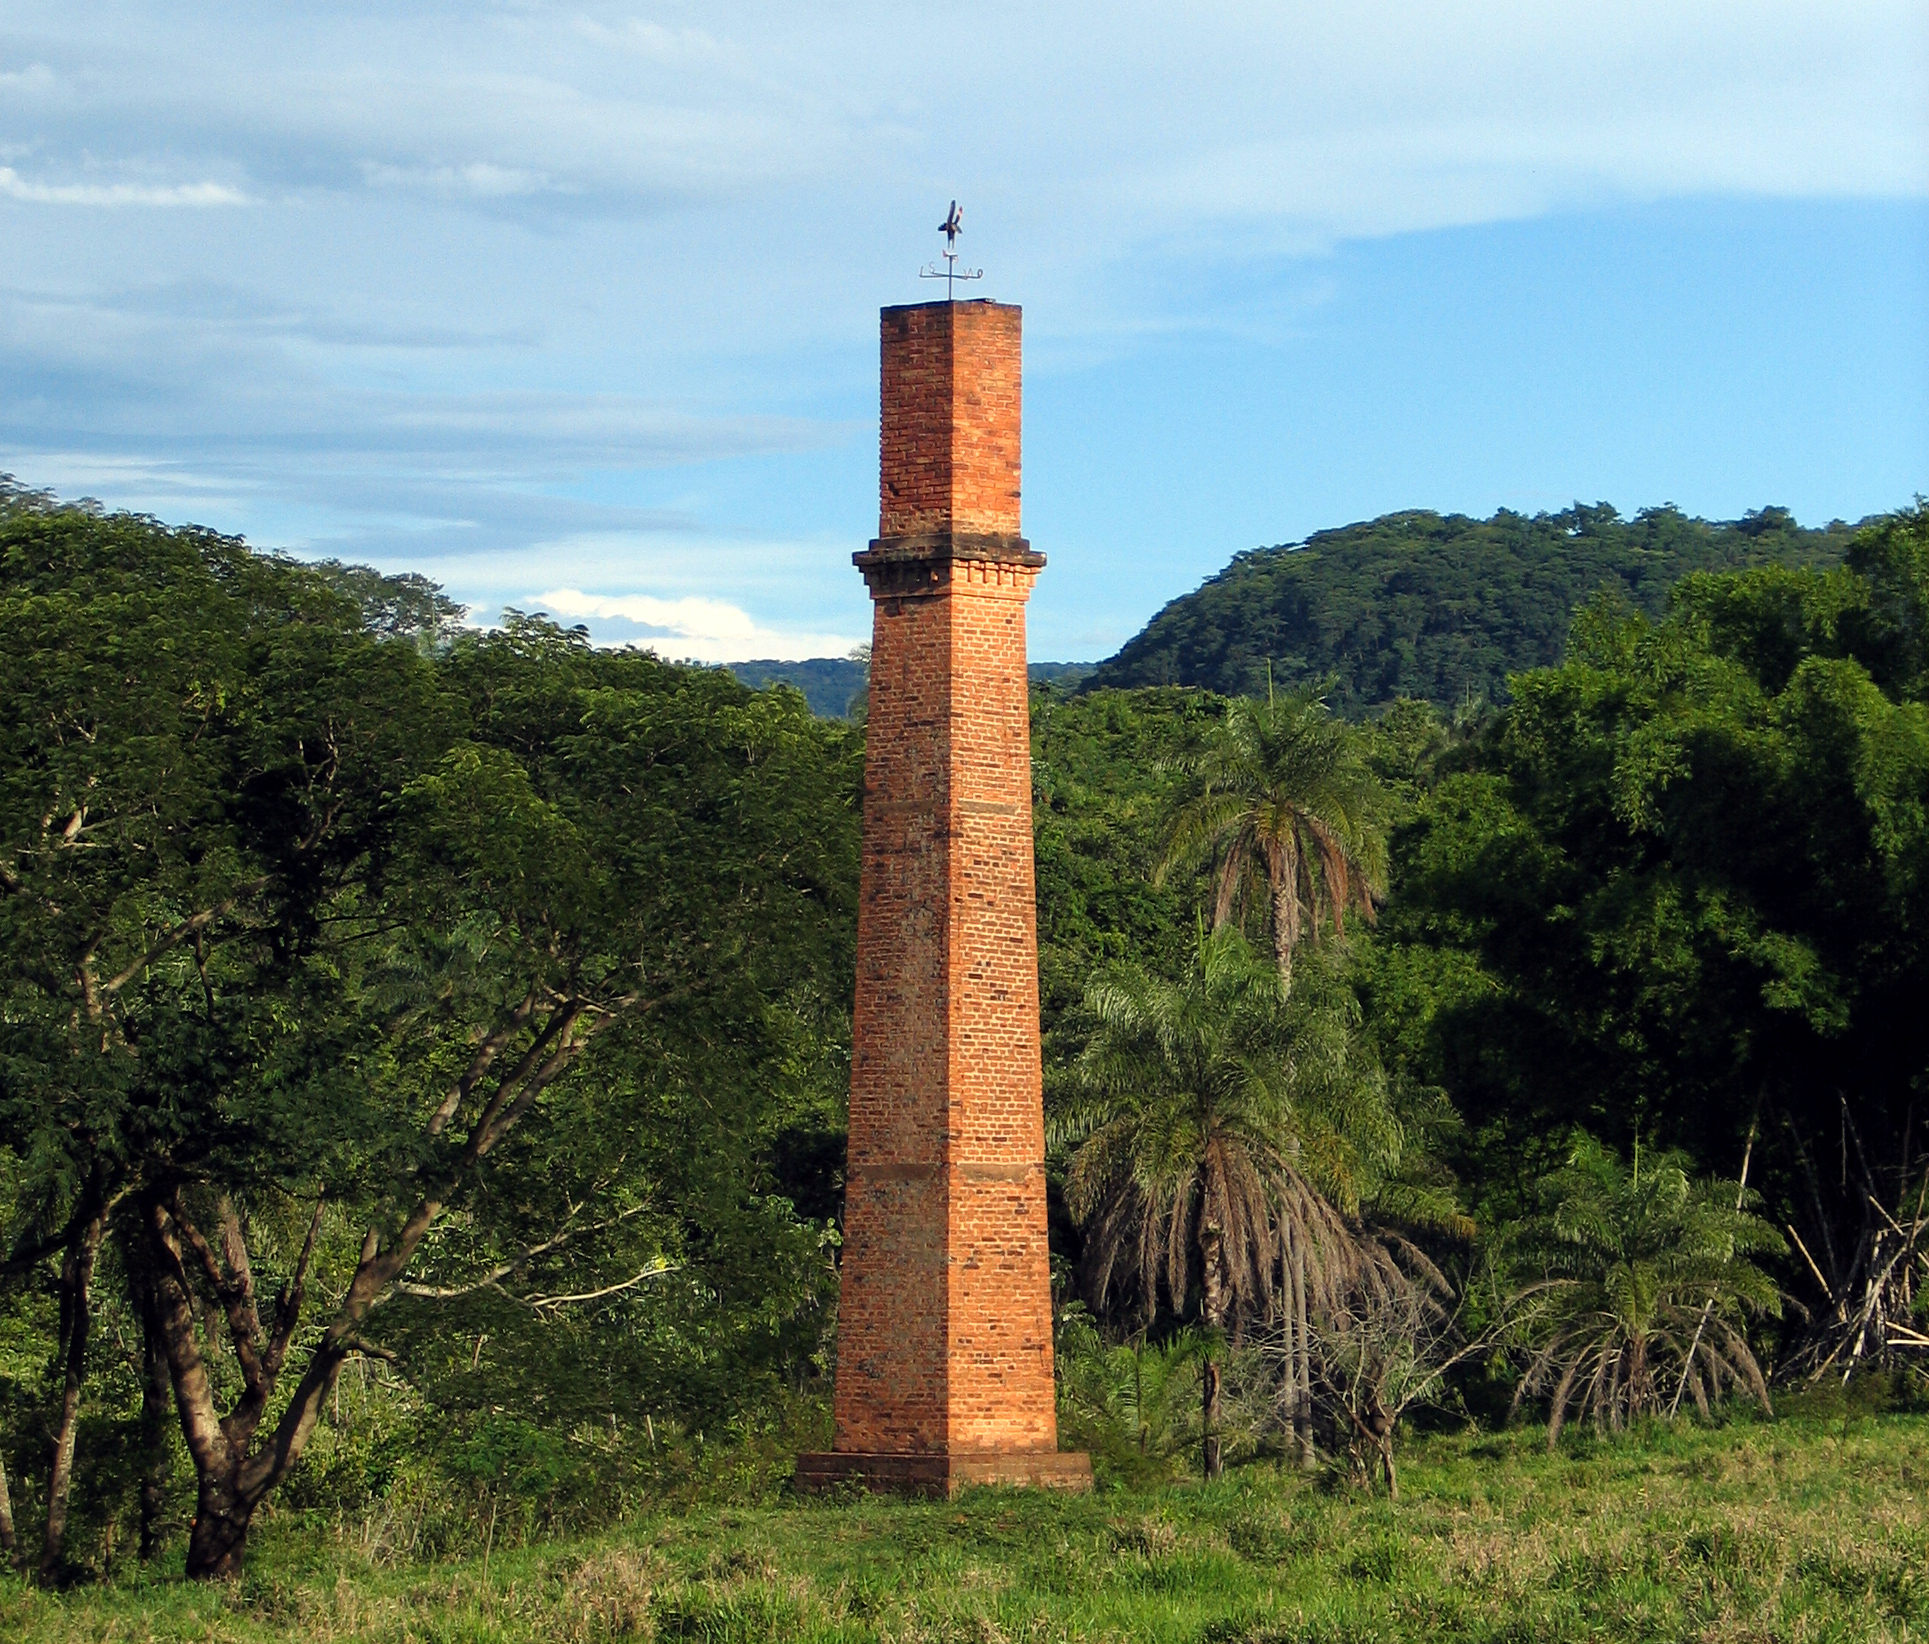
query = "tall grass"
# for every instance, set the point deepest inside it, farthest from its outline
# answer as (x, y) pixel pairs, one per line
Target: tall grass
(1816, 1527)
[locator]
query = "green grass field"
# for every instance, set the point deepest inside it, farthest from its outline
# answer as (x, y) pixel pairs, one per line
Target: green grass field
(1800, 1529)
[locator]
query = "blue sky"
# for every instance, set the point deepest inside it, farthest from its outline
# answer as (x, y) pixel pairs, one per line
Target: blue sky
(574, 306)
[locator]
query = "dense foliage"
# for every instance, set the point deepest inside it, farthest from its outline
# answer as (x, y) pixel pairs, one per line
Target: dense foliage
(1441, 608)
(365, 997)
(1677, 892)
(423, 1051)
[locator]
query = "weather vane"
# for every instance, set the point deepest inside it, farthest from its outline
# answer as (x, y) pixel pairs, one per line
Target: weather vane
(951, 228)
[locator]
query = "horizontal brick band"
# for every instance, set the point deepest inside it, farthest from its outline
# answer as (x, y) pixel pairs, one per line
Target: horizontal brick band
(1013, 1172)
(999, 1170)
(999, 547)
(918, 1171)
(907, 566)
(943, 1473)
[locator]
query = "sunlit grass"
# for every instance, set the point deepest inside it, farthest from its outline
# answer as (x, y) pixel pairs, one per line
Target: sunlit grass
(1797, 1530)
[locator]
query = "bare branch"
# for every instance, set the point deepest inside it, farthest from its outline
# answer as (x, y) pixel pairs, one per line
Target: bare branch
(653, 1270)
(492, 1280)
(1824, 1283)
(182, 932)
(288, 1303)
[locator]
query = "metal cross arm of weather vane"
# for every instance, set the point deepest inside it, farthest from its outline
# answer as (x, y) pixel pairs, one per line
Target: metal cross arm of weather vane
(950, 228)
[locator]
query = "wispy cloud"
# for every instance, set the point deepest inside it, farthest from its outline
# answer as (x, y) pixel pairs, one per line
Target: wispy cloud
(16, 187)
(700, 630)
(476, 180)
(516, 278)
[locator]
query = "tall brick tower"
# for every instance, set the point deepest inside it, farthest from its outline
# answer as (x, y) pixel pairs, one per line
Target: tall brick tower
(944, 1358)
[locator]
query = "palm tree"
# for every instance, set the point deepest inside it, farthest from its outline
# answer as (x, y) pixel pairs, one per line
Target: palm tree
(1282, 796)
(1131, 1398)
(1643, 1272)
(1220, 1134)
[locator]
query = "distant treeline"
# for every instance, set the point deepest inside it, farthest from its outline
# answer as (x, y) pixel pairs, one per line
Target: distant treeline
(1441, 607)
(834, 686)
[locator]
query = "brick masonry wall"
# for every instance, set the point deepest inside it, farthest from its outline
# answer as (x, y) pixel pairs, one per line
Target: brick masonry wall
(944, 1325)
(948, 439)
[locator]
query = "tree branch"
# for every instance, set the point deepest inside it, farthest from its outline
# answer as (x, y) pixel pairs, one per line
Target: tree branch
(480, 1137)
(237, 1299)
(484, 1056)
(180, 933)
(653, 1270)
(493, 1278)
(288, 1303)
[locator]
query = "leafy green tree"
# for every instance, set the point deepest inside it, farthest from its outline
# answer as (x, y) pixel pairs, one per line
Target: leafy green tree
(331, 953)
(622, 858)
(1681, 882)
(1219, 1133)
(1281, 794)
(1438, 607)
(1647, 1276)
(194, 757)
(1105, 775)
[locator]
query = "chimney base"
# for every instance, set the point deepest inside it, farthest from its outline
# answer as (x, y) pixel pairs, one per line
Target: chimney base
(943, 1474)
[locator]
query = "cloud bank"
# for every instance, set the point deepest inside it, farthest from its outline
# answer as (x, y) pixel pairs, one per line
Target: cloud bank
(438, 284)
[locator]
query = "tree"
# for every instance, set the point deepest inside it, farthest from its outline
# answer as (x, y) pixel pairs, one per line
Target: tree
(1682, 882)
(1388, 1343)
(1441, 607)
(622, 854)
(1643, 1272)
(1282, 794)
(324, 944)
(1218, 1135)
(195, 755)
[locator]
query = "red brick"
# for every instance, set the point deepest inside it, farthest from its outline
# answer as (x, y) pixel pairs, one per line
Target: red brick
(944, 1325)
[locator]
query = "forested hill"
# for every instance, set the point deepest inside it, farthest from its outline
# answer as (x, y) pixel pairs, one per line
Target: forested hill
(1438, 606)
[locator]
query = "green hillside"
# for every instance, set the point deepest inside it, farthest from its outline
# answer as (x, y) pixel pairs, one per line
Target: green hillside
(834, 685)
(828, 682)
(1438, 606)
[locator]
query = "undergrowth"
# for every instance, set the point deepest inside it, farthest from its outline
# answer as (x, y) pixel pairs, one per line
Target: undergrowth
(1809, 1528)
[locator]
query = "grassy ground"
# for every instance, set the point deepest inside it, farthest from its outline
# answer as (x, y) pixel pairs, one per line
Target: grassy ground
(1797, 1530)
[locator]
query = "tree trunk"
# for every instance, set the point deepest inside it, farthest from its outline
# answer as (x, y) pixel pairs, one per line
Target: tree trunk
(9, 1542)
(156, 1395)
(1213, 1305)
(1641, 1396)
(76, 1296)
(231, 1475)
(1289, 1397)
(1283, 872)
(1209, 1383)
(222, 1516)
(1302, 1367)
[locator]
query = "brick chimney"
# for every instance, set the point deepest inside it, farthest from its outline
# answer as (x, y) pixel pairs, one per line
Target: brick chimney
(944, 1357)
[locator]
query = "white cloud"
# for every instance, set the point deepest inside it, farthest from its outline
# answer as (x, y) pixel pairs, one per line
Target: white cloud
(35, 77)
(523, 277)
(700, 630)
(16, 187)
(478, 179)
